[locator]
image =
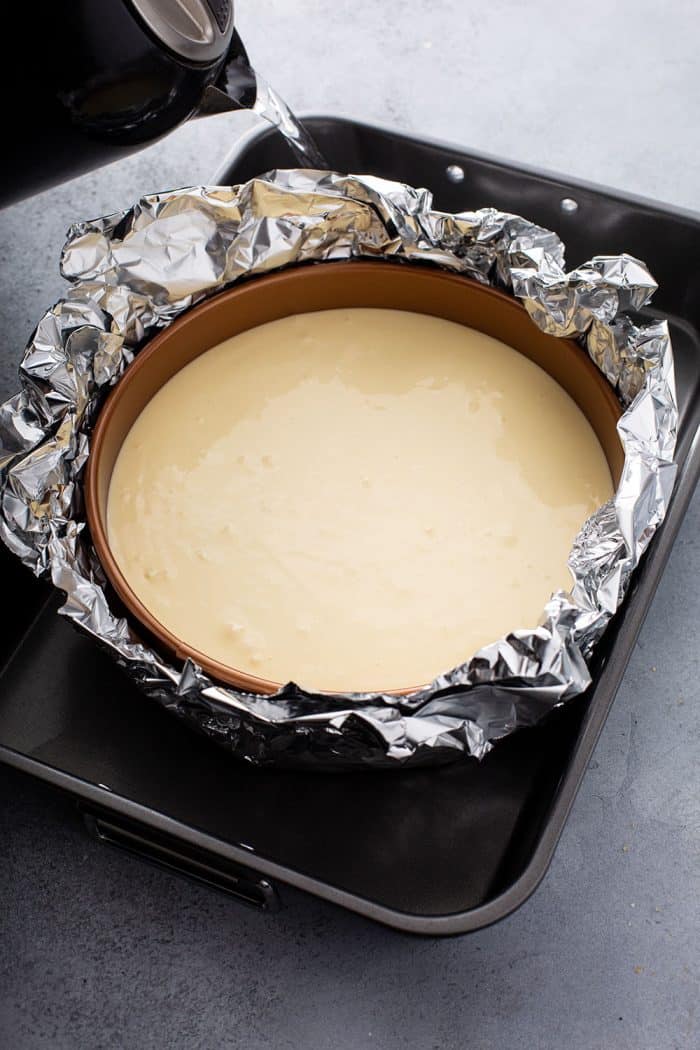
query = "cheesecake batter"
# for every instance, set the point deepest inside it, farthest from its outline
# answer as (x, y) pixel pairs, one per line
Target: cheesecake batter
(355, 499)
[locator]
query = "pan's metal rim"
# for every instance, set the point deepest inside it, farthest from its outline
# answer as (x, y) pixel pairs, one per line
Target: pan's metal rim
(255, 134)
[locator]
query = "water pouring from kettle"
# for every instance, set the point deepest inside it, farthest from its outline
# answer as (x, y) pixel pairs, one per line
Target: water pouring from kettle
(109, 78)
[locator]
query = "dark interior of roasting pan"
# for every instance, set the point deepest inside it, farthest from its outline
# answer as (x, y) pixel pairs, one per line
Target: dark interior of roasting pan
(433, 851)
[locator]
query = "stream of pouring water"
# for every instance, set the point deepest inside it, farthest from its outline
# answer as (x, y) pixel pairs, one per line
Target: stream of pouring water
(243, 84)
(273, 108)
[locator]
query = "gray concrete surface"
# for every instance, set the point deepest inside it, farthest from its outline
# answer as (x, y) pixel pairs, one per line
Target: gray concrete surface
(97, 950)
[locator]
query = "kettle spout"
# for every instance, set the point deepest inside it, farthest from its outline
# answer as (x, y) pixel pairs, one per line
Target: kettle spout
(236, 86)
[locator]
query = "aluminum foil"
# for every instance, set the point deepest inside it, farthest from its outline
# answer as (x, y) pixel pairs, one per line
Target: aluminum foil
(133, 273)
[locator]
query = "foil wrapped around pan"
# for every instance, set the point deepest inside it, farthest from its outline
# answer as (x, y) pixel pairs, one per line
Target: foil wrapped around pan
(132, 273)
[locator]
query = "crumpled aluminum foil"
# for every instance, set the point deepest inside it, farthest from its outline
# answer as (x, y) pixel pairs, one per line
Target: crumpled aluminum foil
(132, 273)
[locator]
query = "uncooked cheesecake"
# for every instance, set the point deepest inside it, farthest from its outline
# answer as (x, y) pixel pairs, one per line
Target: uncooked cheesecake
(353, 499)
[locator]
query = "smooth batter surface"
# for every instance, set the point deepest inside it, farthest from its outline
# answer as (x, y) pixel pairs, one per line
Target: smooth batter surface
(354, 499)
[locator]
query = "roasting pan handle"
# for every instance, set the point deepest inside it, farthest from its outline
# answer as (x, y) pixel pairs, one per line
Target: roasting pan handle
(172, 854)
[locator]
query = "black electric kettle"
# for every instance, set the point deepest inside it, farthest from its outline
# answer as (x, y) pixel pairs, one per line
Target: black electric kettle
(85, 82)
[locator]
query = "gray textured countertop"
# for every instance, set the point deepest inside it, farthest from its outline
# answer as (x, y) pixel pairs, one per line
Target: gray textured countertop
(98, 950)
